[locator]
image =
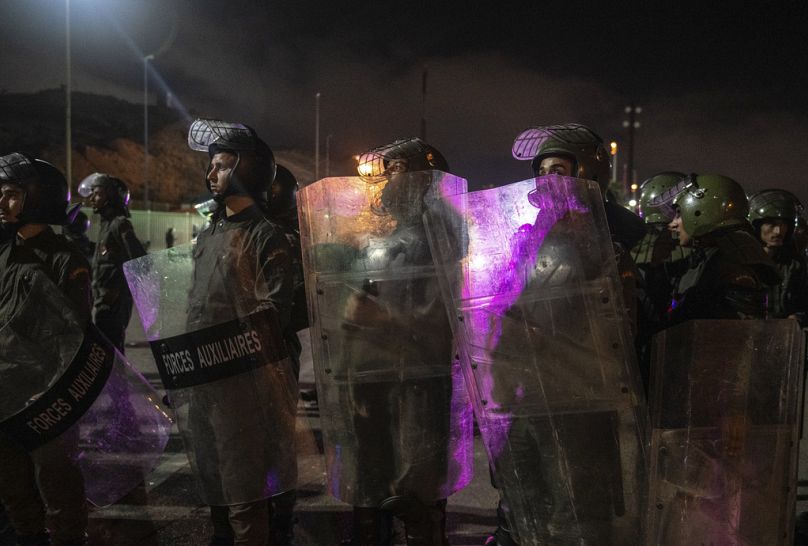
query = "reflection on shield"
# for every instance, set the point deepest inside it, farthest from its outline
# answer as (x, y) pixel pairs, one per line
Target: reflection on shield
(396, 416)
(725, 405)
(72, 401)
(537, 307)
(220, 352)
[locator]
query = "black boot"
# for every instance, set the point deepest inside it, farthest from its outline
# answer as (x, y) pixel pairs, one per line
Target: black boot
(503, 535)
(425, 524)
(282, 519)
(222, 532)
(371, 527)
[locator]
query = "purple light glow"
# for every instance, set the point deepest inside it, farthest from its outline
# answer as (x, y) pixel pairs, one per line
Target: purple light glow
(503, 248)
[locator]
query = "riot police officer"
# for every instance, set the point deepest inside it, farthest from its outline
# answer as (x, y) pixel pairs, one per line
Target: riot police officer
(570, 150)
(117, 243)
(721, 386)
(282, 210)
(727, 274)
(76, 231)
(774, 214)
(48, 482)
(653, 255)
(243, 261)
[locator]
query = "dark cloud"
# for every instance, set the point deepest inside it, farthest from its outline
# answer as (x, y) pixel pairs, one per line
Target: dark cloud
(720, 93)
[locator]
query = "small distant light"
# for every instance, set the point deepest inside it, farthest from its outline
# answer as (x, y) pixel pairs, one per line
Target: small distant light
(634, 187)
(632, 203)
(613, 146)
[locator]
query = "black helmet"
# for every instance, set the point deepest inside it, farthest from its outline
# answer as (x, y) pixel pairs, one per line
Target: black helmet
(116, 190)
(78, 223)
(573, 141)
(214, 136)
(44, 185)
(416, 154)
(283, 194)
(775, 203)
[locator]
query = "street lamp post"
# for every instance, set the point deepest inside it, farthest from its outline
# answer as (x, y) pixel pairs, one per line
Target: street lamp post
(317, 136)
(68, 105)
(631, 124)
(146, 200)
(328, 156)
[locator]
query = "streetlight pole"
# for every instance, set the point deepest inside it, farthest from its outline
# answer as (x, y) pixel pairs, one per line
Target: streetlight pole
(423, 103)
(631, 124)
(328, 156)
(146, 200)
(68, 105)
(317, 136)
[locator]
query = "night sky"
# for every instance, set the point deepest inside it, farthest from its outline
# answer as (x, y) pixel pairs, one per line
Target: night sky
(722, 88)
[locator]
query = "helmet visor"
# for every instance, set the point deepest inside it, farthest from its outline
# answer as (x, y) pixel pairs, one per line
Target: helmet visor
(204, 132)
(666, 200)
(390, 158)
(86, 185)
(527, 144)
(16, 168)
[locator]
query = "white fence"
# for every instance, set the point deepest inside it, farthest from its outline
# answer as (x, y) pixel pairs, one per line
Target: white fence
(152, 226)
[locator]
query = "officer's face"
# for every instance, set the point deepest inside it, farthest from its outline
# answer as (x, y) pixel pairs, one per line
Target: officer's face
(98, 198)
(676, 226)
(773, 232)
(397, 166)
(555, 165)
(12, 199)
(221, 168)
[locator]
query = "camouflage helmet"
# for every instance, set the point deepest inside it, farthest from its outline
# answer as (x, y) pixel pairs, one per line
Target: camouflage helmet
(44, 185)
(774, 203)
(708, 202)
(650, 189)
(573, 141)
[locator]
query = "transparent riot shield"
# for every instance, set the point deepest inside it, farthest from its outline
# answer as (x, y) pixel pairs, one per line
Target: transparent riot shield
(725, 402)
(537, 305)
(395, 413)
(217, 341)
(91, 424)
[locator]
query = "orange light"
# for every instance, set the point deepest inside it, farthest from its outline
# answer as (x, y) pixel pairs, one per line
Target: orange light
(613, 146)
(634, 187)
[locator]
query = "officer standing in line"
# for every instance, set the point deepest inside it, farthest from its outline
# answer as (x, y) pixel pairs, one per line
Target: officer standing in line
(773, 214)
(283, 212)
(47, 483)
(243, 260)
(653, 256)
(76, 231)
(573, 150)
(705, 394)
(727, 274)
(116, 244)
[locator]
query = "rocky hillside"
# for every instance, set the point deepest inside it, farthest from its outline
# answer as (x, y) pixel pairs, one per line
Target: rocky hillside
(108, 137)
